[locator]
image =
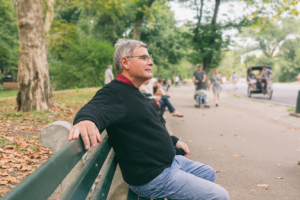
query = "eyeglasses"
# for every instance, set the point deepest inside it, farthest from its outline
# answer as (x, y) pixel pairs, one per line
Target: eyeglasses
(143, 57)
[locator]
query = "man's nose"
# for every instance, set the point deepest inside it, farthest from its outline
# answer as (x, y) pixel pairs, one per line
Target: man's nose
(151, 62)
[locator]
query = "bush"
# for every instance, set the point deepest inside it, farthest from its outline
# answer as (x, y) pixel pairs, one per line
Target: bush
(82, 64)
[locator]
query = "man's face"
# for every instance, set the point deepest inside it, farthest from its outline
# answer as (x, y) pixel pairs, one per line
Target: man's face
(138, 67)
(250, 72)
(264, 68)
(198, 69)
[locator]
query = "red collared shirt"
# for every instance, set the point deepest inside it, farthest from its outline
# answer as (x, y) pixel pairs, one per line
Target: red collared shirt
(124, 80)
(127, 81)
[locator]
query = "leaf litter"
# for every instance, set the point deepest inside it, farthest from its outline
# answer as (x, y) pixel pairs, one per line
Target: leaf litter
(20, 149)
(19, 160)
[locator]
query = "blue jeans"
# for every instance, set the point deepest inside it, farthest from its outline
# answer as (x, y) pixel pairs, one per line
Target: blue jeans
(202, 99)
(184, 180)
(164, 102)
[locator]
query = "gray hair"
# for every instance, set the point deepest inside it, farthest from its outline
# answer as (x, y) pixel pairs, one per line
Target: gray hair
(125, 47)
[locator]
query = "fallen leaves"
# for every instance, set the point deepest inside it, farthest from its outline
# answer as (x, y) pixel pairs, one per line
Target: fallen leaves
(9, 179)
(235, 156)
(263, 185)
(18, 158)
(279, 177)
(188, 140)
(218, 171)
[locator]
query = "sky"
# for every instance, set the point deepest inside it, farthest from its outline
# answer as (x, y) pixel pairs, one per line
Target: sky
(181, 13)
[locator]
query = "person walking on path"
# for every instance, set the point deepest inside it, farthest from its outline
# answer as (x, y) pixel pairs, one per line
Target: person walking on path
(143, 146)
(199, 78)
(109, 76)
(235, 79)
(216, 81)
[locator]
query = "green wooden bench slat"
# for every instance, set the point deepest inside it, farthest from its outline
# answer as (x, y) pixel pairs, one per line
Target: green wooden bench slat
(83, 182)
(143, 198)
(45, 179)
(131, 195)
(103, 186)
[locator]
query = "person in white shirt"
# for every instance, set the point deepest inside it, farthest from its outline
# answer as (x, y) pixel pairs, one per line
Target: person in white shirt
(235, 79)
(177, 79)
(108, 75)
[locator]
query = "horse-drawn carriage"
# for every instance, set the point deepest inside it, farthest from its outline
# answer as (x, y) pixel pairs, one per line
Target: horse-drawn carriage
(261, 84)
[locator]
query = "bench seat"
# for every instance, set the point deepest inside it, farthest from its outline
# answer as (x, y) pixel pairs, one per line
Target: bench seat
(45, 179)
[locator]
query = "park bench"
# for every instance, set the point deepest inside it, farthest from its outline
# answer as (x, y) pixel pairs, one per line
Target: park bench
(44, 180)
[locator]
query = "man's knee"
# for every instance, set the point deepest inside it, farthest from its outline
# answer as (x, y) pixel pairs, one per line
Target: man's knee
(210, 174)
(219, 193)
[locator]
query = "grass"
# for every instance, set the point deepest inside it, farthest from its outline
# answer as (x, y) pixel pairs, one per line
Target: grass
(291, 109)
(73, 99)
(8, 93)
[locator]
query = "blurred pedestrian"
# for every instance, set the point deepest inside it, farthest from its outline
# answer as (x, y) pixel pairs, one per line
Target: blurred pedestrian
(216, 81)
(177, 79)
(235, 79)
(153, 88)
(199, 78)
(267, 76)
(109, 76)
(299, 77)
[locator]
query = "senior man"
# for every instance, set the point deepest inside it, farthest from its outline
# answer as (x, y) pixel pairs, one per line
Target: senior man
(143, 147)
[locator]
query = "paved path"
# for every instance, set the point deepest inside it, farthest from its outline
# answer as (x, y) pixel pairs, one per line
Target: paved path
(265, 146)
(283, 93)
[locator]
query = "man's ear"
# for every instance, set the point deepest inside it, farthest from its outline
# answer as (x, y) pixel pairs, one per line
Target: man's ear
(124, 62)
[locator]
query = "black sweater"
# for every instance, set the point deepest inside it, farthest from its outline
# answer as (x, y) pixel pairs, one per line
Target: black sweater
(142, 144)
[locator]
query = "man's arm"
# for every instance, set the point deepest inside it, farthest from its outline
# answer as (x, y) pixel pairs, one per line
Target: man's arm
(177, 143)
(88, 131)
(204, 78)
(194, 79)
(95, 116)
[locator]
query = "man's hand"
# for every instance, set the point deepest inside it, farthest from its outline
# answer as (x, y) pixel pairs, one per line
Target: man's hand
(182, 145)
(88, 131)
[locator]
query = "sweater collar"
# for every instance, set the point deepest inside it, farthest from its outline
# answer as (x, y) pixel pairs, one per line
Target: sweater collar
(124, 80)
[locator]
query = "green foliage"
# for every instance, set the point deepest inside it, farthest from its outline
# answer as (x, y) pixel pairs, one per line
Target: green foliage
(8, 39)
(231, 63)
(82, 65)
(274, 33)
(165, 42)
(289, 61)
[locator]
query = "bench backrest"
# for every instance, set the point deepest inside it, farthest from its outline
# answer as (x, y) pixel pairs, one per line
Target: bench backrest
(45, 179)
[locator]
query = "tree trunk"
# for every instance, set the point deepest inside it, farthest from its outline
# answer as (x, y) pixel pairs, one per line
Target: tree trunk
(137, 27)
(139, 21)
(33, 75)
(206, 67)
(49, 15)
(207, 61)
